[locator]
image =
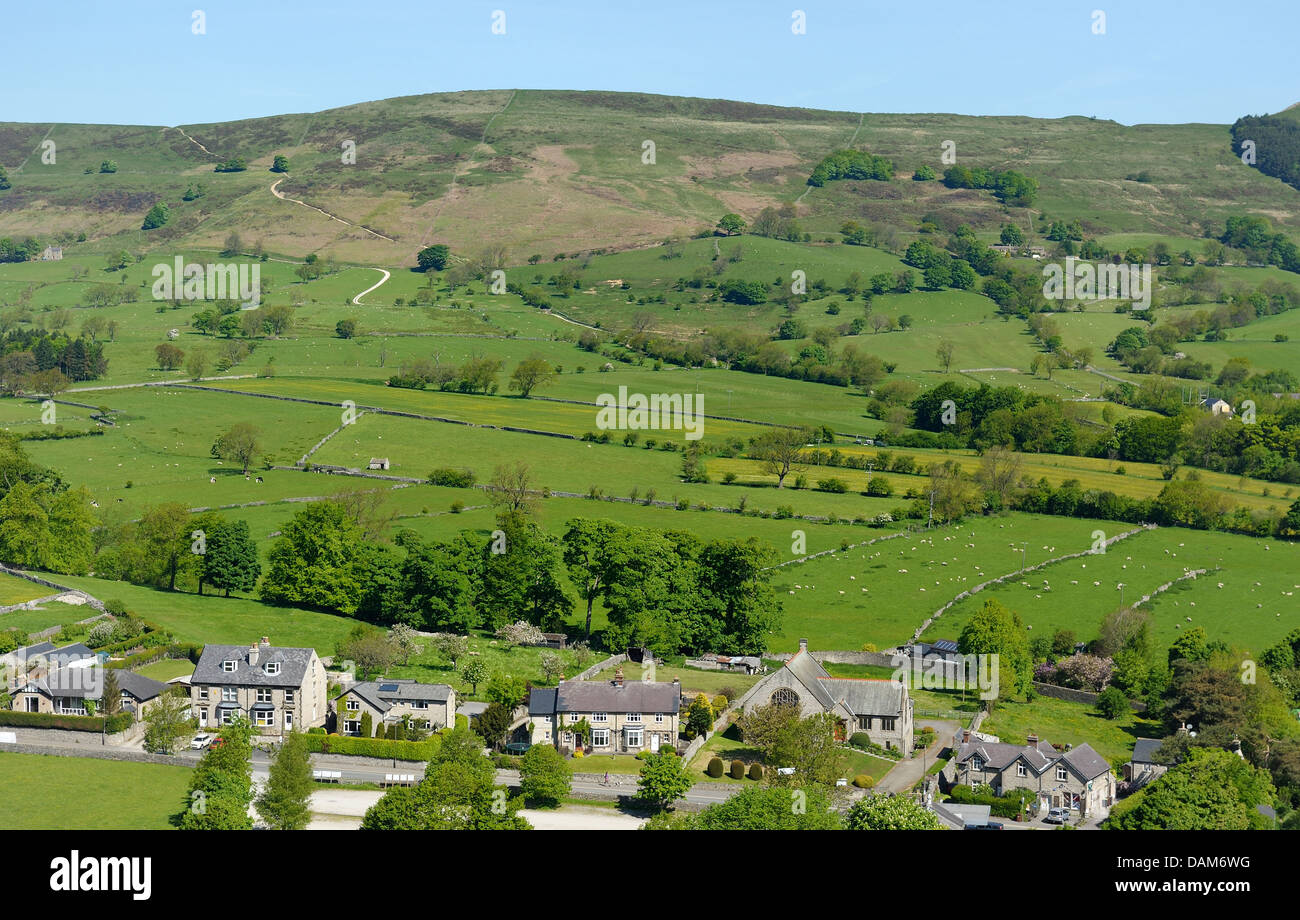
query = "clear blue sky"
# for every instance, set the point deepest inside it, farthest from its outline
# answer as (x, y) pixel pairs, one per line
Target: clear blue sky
(138, 62)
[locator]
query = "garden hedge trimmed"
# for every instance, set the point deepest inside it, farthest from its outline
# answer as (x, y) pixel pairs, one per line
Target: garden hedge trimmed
(114, 724)
(372, 747)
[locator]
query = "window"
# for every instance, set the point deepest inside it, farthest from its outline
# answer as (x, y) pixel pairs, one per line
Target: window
(1061, 774)
(203, 693)
(352, 726)
(976, 764)
(353, 706)
(634, 717)
(634, 737)
(420, 704)
(784, 696)
(227, 715)
(228, 666)
(600, 737)
(887, 725)
(659, 716)
(288, 696)
(263, 717)
(272, 668)
(864, 723)
(575, 717)
(263, 695)
(600, 717)
(229, 695)
(1020, 770)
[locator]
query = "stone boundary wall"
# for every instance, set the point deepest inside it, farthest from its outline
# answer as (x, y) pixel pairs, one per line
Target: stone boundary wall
(1069, 694)
(833, 656)
(19, 573)
(1194, 573)
(1017, 574)
(600, 666)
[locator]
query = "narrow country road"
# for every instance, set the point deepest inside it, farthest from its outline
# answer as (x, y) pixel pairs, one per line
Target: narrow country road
(909, 772)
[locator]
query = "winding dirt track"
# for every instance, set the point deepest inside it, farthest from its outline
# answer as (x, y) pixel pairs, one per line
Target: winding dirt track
(387, 274)
(278, 194)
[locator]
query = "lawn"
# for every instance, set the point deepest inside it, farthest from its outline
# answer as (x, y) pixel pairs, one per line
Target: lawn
(15, 590)
(53, 613)
(693, 679)
(1063, 722)
(39, 792)
(520, 662)
(606, 763)
(729, 746)
(166, 669)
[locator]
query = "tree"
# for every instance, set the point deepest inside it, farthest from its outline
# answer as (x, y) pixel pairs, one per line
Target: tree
(757, 808)
(285, 802)
(663, 780)
(1112, 703)
(699, 717)
(164, 531)
(457, 793)
(196, 365)
(510, 489)
(450, 646)
(404, 638)
(731, 224)
(239, 445)
(110, 699)
(891, 813)
(280, 164)
(520, 633)
(493, 723)
(167, 722)
(169, 357)
(158, 216)
(234, 245)
(545, 777)
(230, 561)
(371, 650)
(944, 354)
(474, 673)
(531, 373)
(345, 328)
(780, 450)
(1212, 790)
(587, 553)
(995, 630)
(221, 787)
(433, 257)
(322, 559)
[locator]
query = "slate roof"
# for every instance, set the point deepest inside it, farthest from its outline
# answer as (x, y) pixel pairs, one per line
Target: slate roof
(603, 696)
(1144, 751)
(293, 666)
(541, 701)
(866, 697)
(65, 682)
(1083, 760)
(811, 674)
(383, 694)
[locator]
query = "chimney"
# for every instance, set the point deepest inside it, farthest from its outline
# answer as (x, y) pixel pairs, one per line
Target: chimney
(1031, 740)
(266, 643)
(803, 645)
(252, 655)
(965, 736)
(618, 677)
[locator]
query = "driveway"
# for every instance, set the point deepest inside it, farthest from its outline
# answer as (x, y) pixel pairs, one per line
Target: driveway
(907, 773)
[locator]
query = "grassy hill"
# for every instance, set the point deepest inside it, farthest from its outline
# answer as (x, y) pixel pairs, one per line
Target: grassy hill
(544, 172)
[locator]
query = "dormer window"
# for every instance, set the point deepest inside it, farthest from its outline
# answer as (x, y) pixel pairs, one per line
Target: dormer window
(272, 668)
(228, 666)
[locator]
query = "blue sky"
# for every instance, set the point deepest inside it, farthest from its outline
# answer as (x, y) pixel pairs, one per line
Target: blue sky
(1163, 61)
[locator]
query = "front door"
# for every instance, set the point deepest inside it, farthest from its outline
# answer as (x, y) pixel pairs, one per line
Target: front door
(654, 744)
(33, 704)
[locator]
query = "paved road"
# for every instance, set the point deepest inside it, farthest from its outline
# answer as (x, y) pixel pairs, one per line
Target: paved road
(908, 772)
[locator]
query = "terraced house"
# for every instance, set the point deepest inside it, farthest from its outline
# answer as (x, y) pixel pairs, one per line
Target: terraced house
(277, 689)
(624, 718)
(428, 706)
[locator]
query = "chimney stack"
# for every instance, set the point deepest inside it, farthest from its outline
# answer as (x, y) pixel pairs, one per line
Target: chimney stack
(1031, 740)
(965, 736)
(803, 645)
(266, 642)
(618, 677)
(252, 655)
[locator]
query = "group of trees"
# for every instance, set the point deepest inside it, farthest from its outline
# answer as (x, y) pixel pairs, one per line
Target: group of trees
(851, 164)
(43, 523)
(1011, 187)
(477, 375)
(34, 360)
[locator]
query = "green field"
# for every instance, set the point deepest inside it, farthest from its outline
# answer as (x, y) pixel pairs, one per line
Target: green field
(40, 792)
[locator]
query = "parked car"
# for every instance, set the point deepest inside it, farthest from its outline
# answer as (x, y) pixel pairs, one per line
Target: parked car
(1058, 816)
(200, 742)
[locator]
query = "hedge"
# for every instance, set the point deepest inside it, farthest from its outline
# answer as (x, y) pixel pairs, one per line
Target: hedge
(372, 747)
(1008, 806)
(186, 650)
(114, 724)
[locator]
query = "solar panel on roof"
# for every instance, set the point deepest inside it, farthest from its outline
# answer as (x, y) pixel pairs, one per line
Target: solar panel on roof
(388, 688)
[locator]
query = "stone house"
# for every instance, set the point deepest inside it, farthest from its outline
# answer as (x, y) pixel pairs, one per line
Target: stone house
(277, 689)
(429, 706)
(64, 691)
(35, 661)
(1145, 765)
(880, 708)
(625, 718)
(1077, 778)
(378, 463)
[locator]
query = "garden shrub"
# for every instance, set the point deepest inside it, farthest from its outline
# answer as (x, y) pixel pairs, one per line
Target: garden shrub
(863, 781)
(737, 770)
(715, 767)
(755, 771)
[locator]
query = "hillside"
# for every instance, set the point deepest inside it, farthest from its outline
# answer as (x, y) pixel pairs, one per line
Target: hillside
(545, 172)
